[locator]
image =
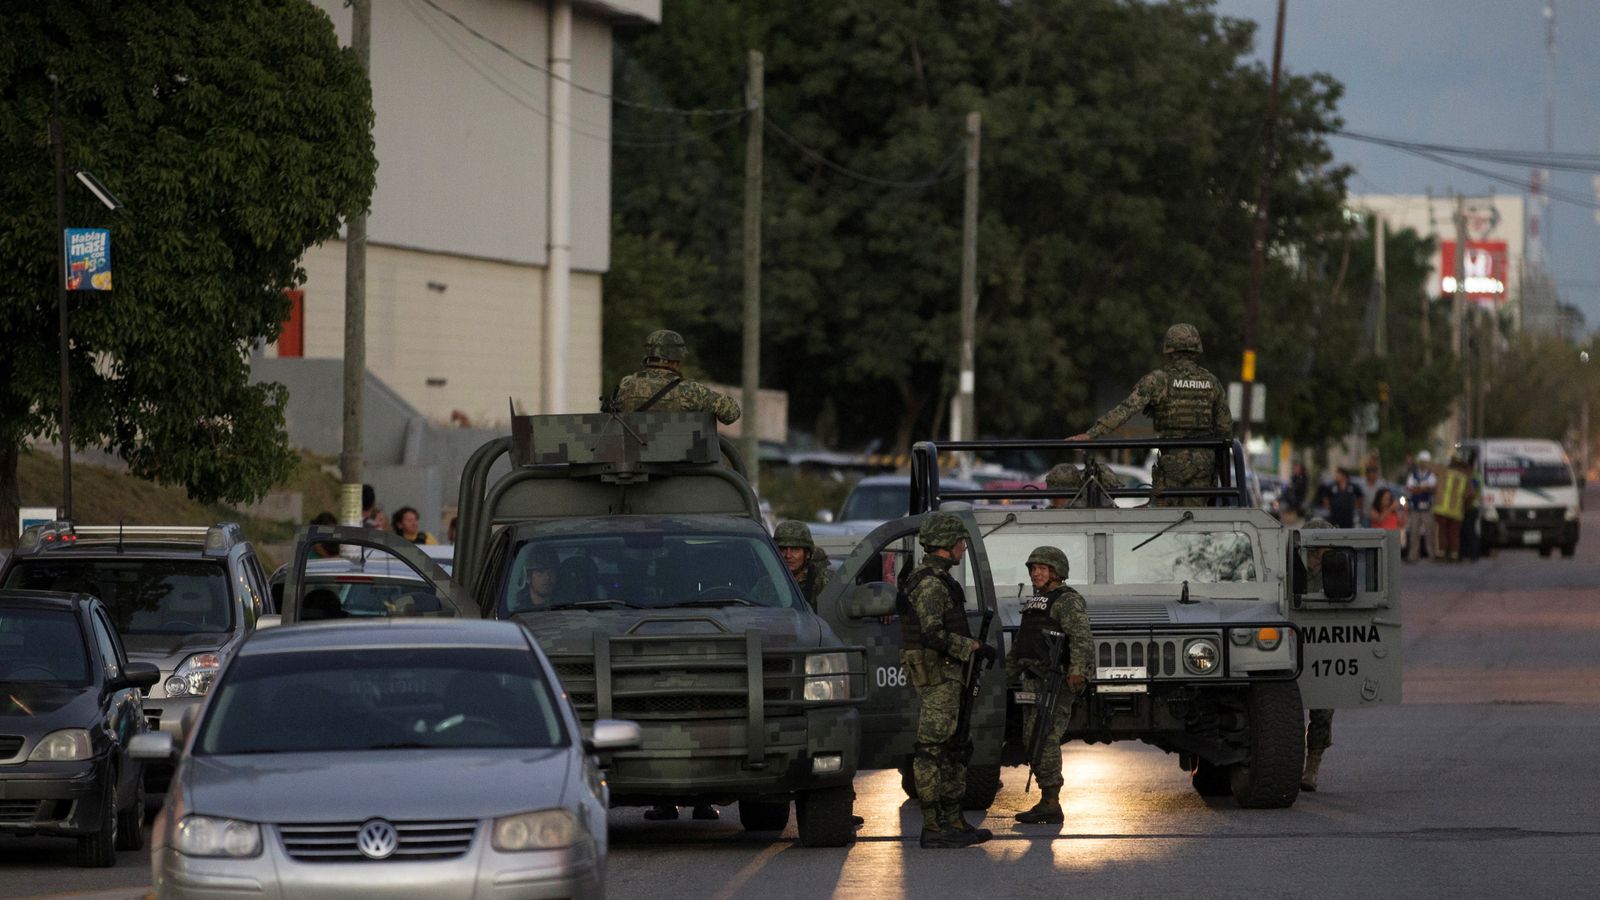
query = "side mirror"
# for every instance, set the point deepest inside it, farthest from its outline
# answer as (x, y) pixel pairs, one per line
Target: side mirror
(141, 675)
(825, 516)
(612, 734)
(269, 621)
(153, 746)
(1339, 575)
(871, 601)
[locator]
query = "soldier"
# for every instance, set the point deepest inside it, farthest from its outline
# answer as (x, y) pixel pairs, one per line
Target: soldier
(1067, 476)
(1319, 733)
(1053, 607)
(808, 564)
(938, 644)
(660, 386)
(1184, 401)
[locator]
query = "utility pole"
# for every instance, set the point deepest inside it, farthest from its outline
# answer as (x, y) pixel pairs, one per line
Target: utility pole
(1458, 302)
(755, 104)
(558, 214)
(963, 413)
(355, 308)
(58, 144)
(1380, 335)
(1258, 245)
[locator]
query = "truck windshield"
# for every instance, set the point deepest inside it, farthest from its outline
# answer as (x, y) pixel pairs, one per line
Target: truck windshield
(1522, 472)
(1203, 557)
(647, 570)
(148, 596)
(1008, 552)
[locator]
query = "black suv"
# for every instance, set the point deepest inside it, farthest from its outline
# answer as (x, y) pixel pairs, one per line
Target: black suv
(182, 598)
(69, 710)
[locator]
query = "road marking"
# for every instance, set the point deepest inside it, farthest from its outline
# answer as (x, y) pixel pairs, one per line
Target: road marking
(749, 871)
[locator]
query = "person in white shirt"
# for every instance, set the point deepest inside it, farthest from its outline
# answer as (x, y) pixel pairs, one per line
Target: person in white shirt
(1420, 485)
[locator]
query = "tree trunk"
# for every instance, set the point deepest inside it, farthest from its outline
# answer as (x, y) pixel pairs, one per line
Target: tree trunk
(10, 494)
(912, 402)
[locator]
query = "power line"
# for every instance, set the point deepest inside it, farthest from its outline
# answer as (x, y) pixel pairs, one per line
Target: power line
(941, 174)
(1569, 162)
(1439, 157)
(635, 104)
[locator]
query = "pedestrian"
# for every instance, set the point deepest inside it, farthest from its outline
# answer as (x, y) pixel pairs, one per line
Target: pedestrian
(1319, 722)
(1299, 491)
(938, 645)
(325, 550)
(407, 524)
(1054, 607)
(1183, 400)
(1068, 477)
(371, 513)
(806, 563)
(1386, 512)
(1420, 528)
(450, 530)
(1471, 538)
(1371, 482)
(661, 386)
(1455, 490)
(1342, 498)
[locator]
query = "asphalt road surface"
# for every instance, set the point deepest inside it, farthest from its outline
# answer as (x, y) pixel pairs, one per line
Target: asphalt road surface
(1483, 784)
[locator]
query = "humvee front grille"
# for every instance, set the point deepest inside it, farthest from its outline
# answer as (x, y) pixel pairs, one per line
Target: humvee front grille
(1159, 655)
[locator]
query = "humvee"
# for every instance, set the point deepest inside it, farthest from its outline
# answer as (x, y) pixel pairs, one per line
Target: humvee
(1214, 627)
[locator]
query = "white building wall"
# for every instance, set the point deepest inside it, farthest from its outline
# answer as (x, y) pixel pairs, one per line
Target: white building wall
(1501, 218)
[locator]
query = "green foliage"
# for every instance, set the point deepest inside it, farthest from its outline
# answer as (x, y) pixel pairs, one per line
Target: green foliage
(1537, 388)
(650, 283)
(238, 134)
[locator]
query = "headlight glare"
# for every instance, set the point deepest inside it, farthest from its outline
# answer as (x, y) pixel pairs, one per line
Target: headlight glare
(827, 664)
(66, 745)
(212, 836)
(543, 830)
(1200, 656)
(828, 687)
(1489, 514)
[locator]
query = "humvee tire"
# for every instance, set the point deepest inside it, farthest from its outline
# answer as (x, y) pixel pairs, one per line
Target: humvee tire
(1544, 550)
(1212, 780)
(1569, 550)
(1270, 779)
(824, 816)
(983, 784)
(764, 815)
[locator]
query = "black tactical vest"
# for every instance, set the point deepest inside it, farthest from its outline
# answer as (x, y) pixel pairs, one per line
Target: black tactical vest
(1186, 400)
(955, 616)
(1035, 622)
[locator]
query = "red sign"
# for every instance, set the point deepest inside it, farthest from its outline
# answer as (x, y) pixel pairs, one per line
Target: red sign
(1487, 270)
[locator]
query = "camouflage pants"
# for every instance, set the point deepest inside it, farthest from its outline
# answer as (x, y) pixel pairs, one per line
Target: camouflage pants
(1319, 734)
(1184, 468)
(939, 765)
(1047, 763)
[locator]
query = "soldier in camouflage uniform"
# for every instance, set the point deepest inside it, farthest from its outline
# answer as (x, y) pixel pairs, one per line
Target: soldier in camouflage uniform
(660, 386)
(1319, 730)
(938, 645)
(1053, 607)
(808, 564)
(1069, 477)
(1184, 401)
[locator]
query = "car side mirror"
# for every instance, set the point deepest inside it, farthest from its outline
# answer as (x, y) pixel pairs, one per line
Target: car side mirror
(612, 734)
(825, 516)
(141, 675)
(1339, 575)
(872, 600)
(153, 746)
(269, 621)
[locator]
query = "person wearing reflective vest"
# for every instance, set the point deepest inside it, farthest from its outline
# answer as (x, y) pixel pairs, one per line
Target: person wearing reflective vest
(1450, 507)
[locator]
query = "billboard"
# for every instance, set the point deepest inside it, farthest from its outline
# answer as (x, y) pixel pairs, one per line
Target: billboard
(88, 259)
(1487, 270)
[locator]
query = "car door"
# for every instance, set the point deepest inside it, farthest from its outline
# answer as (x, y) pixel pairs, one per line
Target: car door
(859, 606)
(453, 599)
(1351, 650)
(124, 710)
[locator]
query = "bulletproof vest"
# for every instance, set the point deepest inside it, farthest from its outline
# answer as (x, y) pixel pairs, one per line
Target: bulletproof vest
(955, 615)
(1186, 400)
(809, 576)
(1035, 622)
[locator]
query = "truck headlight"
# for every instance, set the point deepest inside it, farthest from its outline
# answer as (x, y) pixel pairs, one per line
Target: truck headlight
(1573, 513)
(828, 687)
(828, 664)
(66, 745)
(546, 829)
(1200, 656)
(194, 675)
(211, 836)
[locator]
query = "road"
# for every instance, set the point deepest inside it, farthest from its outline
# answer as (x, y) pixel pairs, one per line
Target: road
(1481, 784)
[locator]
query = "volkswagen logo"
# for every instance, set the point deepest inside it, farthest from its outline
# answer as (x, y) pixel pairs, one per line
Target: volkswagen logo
(377, 839)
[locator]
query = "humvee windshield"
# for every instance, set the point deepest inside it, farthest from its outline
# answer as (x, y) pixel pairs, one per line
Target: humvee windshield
(647, 570)
(1008, 556)
(1202, 557)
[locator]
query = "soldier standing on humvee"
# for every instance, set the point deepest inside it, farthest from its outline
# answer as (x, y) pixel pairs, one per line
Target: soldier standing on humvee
(1183, 400)
(1066, 476)
(938, 644)
(660, 386)
(1053, 607)
(806, 563)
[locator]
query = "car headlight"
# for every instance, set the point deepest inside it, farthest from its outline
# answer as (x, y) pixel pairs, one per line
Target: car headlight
(65, 745)
(194, 675)
(546, 829)
(212, 836)
(1200, 656)
(828, 664)
(1489, 514)
(1573, 512)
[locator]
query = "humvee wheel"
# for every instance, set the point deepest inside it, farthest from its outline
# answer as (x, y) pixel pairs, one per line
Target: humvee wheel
(764, 815)
(983, 783)
(1212, 780)
(824, 816)
(1270, 779)
(1569, 550)
(1544, 550)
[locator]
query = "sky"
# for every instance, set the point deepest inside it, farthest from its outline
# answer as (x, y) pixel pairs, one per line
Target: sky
(1464, 72)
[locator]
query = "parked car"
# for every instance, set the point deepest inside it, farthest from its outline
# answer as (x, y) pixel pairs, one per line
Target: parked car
(182, 598)
(1531, 496)
(394, 758)
(70, 710)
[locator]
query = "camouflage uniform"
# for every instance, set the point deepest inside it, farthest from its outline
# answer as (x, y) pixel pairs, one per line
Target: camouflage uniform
(663, 350)
(1069, 477)
(1058, 608)
(816, 574)
(1183, 400)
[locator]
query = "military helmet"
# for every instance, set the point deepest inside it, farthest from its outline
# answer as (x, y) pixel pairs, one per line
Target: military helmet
(664, 344)
(1052, 557)
(793, 534)
(1318, 522)
(941, 530)
(1064, 475)
(1182, 338)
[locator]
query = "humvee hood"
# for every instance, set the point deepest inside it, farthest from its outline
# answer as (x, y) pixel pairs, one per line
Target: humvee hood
(573, 631)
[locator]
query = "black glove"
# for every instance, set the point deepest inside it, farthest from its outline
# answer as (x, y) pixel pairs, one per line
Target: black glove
(987, 653)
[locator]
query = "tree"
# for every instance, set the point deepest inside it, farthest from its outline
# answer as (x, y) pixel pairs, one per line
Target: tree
(238, 135)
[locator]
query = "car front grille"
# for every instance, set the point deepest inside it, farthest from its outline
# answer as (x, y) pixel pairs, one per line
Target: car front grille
(1531, 518)
(14, 812)
(10, 745)
(152, 717)
(336, 841)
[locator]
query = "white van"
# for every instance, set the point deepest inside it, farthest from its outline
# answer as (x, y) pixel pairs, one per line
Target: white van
(1530, 496)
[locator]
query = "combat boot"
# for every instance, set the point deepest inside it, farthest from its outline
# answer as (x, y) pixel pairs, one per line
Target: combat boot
(705, 812)
(936, 830)
(958, 822)
(1308, 778)
(1047, 811)
(662, 812)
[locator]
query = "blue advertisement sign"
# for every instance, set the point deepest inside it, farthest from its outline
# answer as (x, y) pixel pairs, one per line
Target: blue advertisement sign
(88, 259)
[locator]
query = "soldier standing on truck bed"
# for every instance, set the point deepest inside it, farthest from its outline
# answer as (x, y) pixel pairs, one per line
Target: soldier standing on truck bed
(1183, 400)
(938, 644)
(806, 563)
(661, 387)
(1053, 607)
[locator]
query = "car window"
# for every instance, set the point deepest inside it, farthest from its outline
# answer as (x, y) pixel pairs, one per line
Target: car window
(143, 596)
(42, 646)
(363, 596)
(1202, 557)
(407, 698)
(108, 646)
(877, 502)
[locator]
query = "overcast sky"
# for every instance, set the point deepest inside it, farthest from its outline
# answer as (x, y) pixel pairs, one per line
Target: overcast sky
(1466, 72)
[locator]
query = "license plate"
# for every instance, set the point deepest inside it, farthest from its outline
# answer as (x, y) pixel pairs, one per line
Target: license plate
(1532, 537)
(1107, 678)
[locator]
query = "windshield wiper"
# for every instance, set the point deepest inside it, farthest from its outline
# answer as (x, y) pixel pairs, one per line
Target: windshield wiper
(1009, 519)
(593, 604)
(1188, 516)
(715, 601)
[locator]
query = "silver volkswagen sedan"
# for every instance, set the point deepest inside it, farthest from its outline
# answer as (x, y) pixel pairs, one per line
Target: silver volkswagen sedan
(386, 758)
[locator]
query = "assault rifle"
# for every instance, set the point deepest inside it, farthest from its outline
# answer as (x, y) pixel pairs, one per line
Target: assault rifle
(1044, 708)
(969, 694)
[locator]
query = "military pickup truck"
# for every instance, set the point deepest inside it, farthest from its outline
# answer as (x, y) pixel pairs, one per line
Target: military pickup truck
(1214, 627)
(632, 547)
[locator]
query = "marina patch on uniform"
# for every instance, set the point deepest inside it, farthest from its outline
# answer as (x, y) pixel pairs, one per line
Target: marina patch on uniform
(1192, 383)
